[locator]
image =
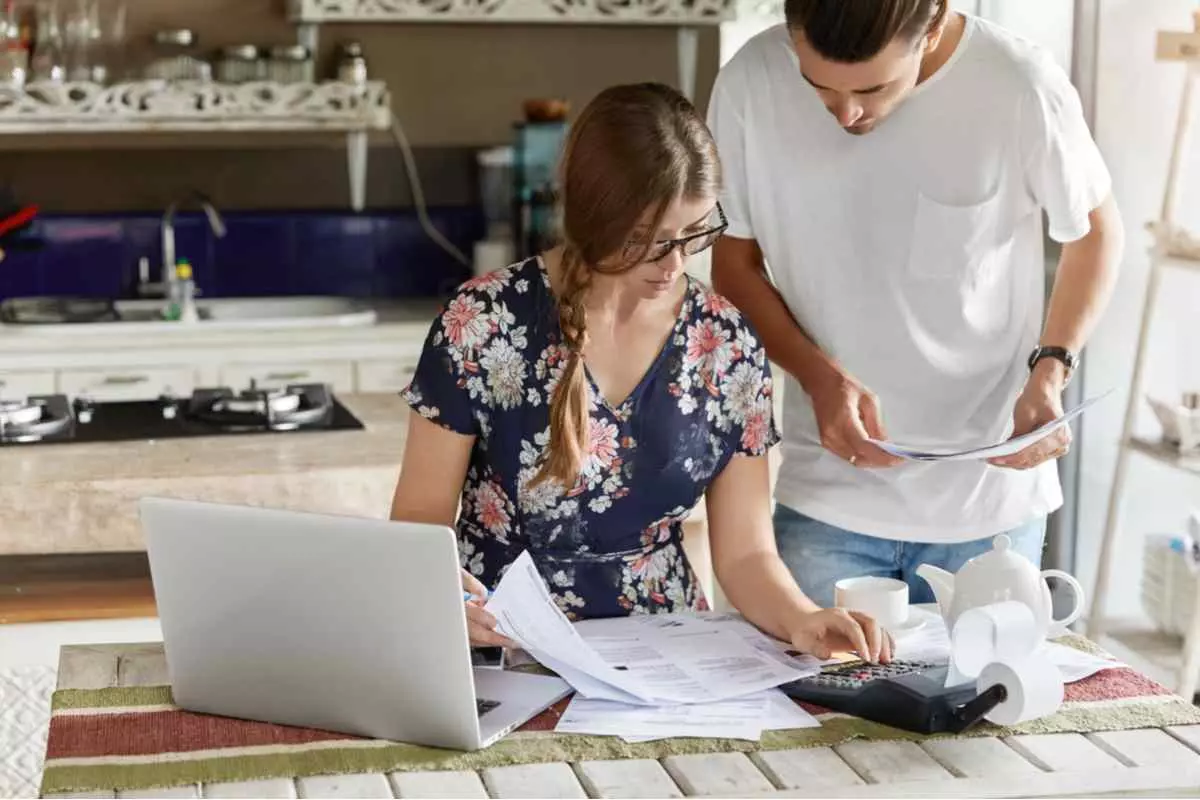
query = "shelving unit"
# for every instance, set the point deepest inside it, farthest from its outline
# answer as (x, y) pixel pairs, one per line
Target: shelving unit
(1174, 661)
(155, 106)
(162, 107)
(687, 16)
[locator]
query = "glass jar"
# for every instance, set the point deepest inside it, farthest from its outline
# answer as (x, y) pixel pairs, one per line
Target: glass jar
(240, 63)
(290, 63)
(174, 59)
(352, 64)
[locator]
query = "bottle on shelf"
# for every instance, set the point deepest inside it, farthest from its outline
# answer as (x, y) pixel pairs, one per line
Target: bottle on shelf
(14, 48)
(48, 63)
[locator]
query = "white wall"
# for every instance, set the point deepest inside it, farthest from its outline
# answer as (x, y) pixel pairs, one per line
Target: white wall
(1137, 99)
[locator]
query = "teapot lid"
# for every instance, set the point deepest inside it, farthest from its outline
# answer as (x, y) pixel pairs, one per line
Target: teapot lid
(1000, 558)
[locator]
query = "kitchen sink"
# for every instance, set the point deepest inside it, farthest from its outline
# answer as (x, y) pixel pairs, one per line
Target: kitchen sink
(39, 316)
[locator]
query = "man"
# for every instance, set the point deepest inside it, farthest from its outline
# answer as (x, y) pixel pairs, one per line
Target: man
(890, 160)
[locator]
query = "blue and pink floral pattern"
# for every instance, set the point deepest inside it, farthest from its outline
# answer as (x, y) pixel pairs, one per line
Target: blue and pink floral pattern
(611, 544)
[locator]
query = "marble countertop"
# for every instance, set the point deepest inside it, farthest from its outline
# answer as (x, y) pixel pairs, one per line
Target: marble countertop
(396, 320)
(380, 444)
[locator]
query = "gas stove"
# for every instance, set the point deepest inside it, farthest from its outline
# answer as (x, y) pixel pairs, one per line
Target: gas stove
(207, 412)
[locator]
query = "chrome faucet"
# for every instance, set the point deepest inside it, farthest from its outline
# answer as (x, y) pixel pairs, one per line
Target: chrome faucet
(163, 287)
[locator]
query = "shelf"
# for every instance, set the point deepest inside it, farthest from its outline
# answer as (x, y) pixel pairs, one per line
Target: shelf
(162, 107)
(1166, 454)
(569, 12)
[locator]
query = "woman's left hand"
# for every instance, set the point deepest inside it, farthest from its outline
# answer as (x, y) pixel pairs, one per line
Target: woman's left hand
(835, 630)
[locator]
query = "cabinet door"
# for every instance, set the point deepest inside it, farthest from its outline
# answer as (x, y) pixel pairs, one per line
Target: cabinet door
(128, 383)
(338, 374)
(19, 384)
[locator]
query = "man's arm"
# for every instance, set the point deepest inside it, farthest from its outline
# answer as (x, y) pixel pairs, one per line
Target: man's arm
(846, 411)
(1087, 272)
(740, 274)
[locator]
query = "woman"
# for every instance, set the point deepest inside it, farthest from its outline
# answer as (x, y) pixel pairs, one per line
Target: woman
(580, 403)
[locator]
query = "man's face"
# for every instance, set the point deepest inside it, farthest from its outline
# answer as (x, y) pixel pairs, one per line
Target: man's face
(861, 95)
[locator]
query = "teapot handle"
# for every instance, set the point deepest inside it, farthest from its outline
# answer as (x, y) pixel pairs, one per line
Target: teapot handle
(1058, 627)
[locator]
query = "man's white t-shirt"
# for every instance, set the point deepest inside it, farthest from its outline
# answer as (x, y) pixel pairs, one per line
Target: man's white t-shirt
(913, 255)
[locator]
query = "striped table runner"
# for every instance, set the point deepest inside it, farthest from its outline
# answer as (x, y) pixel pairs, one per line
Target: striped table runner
(131, 738)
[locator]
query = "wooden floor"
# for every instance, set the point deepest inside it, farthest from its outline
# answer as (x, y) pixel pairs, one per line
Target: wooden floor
(75, 587)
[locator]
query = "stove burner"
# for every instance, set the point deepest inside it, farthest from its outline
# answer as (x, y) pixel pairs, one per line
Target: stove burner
(34, 419)
(296, 406)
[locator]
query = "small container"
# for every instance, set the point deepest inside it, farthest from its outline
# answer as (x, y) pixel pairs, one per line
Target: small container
(291, 63)
(352, 64)
(174, 59)
(240, 63)
(187, 293)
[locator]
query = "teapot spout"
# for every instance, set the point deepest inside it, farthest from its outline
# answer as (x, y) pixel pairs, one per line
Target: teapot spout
(942, 583)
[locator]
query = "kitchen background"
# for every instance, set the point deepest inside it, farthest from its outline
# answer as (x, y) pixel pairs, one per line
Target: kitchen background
(458, 89)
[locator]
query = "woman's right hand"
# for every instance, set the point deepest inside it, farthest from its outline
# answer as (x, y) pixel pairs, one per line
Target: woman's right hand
(481, 625)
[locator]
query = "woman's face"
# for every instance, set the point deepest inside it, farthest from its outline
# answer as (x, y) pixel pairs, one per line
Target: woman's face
(690, 225)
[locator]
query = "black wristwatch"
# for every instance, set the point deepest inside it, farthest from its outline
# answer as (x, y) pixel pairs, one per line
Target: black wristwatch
(1069, 359)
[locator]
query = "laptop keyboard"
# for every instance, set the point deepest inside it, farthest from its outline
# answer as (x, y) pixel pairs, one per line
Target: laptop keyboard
(484, 706)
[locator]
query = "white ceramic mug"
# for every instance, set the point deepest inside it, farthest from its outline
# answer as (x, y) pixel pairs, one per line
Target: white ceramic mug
(884, 599)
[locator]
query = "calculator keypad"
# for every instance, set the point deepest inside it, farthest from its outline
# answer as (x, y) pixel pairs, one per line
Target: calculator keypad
(855, 674)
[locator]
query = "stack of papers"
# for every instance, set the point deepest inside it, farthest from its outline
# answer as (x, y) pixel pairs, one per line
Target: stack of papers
(653, 676)
(742, 718)
(707, 675)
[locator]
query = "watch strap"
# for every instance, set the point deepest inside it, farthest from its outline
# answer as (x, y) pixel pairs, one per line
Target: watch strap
(1069, 359)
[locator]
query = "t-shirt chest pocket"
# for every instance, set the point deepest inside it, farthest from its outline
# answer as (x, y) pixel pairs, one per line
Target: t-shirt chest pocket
(954, 241)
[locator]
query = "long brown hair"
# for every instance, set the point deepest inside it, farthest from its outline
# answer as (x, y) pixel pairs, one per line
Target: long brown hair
(633, 150)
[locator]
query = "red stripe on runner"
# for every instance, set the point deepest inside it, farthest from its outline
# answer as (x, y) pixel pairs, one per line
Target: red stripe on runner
(81, 736)
(1113, 684)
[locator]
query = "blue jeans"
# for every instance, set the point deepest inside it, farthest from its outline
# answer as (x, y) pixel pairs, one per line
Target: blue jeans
(819, 555)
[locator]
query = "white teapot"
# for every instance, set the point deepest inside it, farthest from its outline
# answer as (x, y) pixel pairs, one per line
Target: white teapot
(997, 575)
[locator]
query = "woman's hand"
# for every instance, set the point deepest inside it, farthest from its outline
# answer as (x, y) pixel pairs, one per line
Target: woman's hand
(835, 630)
(481, 625)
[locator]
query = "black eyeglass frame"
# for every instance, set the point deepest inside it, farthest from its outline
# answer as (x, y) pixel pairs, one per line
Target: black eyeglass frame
(667, 246)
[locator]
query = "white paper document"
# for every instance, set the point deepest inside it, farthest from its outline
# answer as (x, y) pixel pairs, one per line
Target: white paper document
(742, 718)
(1075, 665)
(526, 613)
(998, 450)
(728, 719)
(646, 659)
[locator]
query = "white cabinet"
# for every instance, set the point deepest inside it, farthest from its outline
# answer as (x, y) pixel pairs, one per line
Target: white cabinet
(338, 374)
(25, 383)
(132, 383)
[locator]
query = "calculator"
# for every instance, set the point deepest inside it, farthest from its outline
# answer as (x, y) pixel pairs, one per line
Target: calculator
(911, 695)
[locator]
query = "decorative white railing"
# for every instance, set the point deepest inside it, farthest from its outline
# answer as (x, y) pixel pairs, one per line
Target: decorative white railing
(158, 106)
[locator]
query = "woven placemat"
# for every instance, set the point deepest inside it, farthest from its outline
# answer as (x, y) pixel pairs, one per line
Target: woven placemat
(135, 738)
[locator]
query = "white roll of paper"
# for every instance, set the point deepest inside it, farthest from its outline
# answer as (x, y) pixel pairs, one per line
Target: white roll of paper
(1003, 631)
(1034, 685)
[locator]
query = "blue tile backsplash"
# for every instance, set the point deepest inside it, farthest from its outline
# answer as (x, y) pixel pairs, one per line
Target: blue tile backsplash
(374, 254)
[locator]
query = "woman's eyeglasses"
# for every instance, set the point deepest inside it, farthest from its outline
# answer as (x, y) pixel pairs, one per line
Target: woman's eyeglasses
(688, 245)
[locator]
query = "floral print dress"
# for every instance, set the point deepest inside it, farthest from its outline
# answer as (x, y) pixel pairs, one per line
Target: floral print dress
(612, 544)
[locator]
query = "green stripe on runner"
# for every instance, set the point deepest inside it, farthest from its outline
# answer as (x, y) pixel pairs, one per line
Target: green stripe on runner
(115, 697)
(543, 747)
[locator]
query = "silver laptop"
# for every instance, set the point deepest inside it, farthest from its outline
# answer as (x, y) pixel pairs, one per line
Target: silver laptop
(344, 624)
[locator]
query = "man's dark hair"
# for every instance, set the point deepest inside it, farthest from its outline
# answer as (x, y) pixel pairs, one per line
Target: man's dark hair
(852, 31)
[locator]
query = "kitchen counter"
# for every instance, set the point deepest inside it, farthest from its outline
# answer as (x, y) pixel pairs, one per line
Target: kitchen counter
(71, 498)
(395, 320)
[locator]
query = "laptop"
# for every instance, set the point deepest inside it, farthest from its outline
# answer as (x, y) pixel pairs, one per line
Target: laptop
(338, 623)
